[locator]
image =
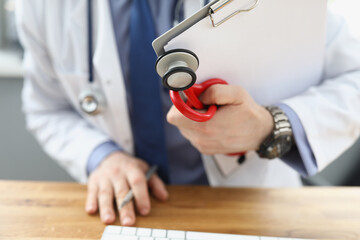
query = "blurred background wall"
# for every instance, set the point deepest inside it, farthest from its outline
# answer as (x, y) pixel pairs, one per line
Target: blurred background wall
(22, 158)
(20, 155)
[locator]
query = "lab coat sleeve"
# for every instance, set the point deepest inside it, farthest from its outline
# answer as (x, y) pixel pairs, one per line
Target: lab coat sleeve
(329, 112)
(100, 153)
(300, 157)
(62, 132)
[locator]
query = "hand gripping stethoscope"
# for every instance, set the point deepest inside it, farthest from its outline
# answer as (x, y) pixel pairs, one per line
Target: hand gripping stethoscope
(177, 69)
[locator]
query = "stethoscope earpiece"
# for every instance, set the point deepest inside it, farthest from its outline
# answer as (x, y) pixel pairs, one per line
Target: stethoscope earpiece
(177, 69)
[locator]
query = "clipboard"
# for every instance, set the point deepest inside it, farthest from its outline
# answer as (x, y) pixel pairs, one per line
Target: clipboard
(209, 10)
(273, 48)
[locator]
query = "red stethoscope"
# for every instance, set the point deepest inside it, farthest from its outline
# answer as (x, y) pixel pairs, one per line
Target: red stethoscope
(177, 69)
(193, 102)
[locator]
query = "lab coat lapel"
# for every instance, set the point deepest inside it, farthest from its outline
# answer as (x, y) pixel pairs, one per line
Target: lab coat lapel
(107, 69)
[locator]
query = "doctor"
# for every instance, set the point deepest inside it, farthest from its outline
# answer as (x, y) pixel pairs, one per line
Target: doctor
(113, 149)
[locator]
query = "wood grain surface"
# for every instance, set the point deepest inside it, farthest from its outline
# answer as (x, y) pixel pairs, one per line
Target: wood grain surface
(43, 210)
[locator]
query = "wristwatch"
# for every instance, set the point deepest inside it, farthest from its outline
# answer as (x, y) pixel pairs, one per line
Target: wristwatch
(280, 141)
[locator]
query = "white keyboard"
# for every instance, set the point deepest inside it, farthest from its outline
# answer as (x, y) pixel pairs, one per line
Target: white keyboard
(133, 233)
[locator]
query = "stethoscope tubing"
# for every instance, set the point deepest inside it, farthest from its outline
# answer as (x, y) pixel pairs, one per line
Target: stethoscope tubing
(90, 41)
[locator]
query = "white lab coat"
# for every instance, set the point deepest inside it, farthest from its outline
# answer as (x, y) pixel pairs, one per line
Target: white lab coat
(55, 62)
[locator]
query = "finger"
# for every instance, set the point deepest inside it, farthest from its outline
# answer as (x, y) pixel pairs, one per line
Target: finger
(137, 180)
(220, 94)
(126, 213)
(158, 188)
(176, 118)
(106, 196)
(91, 199)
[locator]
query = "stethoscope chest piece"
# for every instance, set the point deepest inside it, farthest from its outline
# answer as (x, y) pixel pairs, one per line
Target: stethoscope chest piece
(177, 69)
(91, 101)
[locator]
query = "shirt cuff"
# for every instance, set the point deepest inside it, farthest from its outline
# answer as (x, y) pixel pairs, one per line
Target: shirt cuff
(301, 158)
(100, 153)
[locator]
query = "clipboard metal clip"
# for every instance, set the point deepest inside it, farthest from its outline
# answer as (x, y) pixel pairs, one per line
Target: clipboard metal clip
(220, 4)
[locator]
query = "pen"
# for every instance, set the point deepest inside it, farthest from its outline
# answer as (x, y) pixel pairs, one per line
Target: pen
(129, 196)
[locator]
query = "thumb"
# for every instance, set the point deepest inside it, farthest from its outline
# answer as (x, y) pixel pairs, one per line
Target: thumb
(221, 94)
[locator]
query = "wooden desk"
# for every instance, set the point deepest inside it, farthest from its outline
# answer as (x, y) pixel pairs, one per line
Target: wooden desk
(39, 210)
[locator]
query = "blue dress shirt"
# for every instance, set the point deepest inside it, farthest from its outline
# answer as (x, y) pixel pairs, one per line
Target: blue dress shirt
(186, 166)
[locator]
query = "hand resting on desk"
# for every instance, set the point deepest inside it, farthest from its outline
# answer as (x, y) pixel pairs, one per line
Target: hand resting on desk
(112, 179)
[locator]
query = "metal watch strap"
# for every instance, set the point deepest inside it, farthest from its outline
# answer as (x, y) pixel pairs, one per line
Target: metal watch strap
(279, 142)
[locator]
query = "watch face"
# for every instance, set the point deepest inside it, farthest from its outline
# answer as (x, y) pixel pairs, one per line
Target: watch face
(279, 146)
(280, 141)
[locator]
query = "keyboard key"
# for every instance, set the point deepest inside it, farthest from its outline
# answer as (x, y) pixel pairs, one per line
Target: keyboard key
(118, 237)
(294, 239)
(217, 236)
(146, 232)
(162, 239)
(112, 230)
(128, 231)
(146, 238)
(176, 234)
(159, 233)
